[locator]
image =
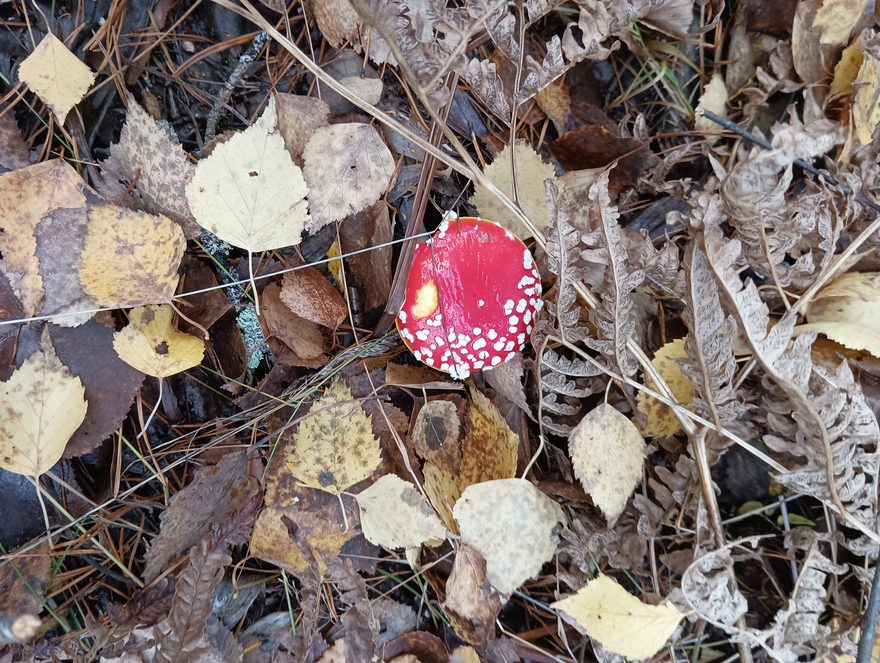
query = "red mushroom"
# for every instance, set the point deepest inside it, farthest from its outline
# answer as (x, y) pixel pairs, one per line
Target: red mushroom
(471, 297)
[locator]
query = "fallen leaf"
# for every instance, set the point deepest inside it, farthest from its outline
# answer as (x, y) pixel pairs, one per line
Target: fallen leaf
(23, 580)
(130, 258)
(443, 490)
(335, 446)
(370, 271)
(298, 118)
(608, 454)
(300, 342)
(512, 525)
(208, 303)
(42, 405)
(489, 448)
(618, 620)
(14, 152)
(337, 20)
(835, 20)
(110, 384)
(56, 75)
(436, 434)
(249, 192)
(347, 168)
(848, 311)
(714, 98)
(471, 604)
(531, 171)
(148, 170)
(311, 296)
(846, 70)
(865, 111)
(26, 196)
(394, 514)
(151, 344)
(661, 419)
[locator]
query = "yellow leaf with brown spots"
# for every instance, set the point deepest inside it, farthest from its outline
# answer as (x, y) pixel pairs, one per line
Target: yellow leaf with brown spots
(151, 344)
(26, 196)
(335, 446)
(443, 490)
(130, 258)
(489, 447)
(56, 75)
(661, 419)
(41, 406)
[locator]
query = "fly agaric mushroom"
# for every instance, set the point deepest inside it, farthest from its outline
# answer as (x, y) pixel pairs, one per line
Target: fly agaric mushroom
(471, 297)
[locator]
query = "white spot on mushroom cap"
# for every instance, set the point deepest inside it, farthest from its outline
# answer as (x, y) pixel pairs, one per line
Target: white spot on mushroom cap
(459, 371)
(508, 307)
(498, 345)
(422, 334)
(513, 320)
(481, 303)
(496, 360)
(492, 334)
(479, 343)
(402, 316)
(528, 263)
(521, 305)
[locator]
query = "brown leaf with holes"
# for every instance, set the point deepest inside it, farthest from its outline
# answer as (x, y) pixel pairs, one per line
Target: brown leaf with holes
(311, 296)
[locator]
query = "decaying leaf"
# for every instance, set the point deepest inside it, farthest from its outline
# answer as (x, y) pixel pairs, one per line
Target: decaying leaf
(512, 525)
(151, 344)
(22, 582)
(249, 192)
(471, 604)
(531, 171)
(347, 168)
(335, 446)
(14, 152)
(848, 311)
(42, 405)
(661, 418)
(835, 20)
(395, 514)
(56, 75)
(298, 118)
(608, 454)
(130, 258)
(618, 620)
(311, 296)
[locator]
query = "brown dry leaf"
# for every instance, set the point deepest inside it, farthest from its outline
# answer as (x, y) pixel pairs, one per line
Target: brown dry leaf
(420, 376)
(26, 196)
(507, 380)
(337, 20)
(347, 168)
(14, 152)
(298, 118)
(661, 419)
(370, 272)
(335, 446)
(512, 525)
(531, 171)
(151, 344)
(22, 583)
(464, 654)
(56, 75)
(848, 311)
(214, 496)
(436, 434)
(489, 447)
(618, 620)
(148, 170)
(311, 296)
(41, 406)
(608, 454)
(110, 384)
(836, 19)
(304, 342)
(130, 258)
(471, 605)
(249, 192)
(394, 514)
(204, 308)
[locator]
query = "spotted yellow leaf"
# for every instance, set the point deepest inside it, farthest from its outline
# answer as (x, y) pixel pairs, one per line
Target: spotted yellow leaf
(41, 406)
(661, 420)
(56, 75)
(151, 344)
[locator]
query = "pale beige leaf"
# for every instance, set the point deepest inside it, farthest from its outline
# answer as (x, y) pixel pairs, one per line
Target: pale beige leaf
(347, 168)
(608, 453)
(661, 419)
(335, 447)
(130, 258)
(714, 98)
(249, 192)
(149, 170)
(531, 171)
(150, 343)
(512, 525)
(41, 406)
(618, 620)
(865, 112)
(848, 311)
(835, 20)
(56, 75)
(395, 514)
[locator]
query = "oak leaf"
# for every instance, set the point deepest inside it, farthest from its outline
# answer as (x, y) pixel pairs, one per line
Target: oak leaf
(152, 345)
(56, 75)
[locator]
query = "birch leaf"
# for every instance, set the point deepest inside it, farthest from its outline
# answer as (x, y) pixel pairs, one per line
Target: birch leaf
(152, 345)
(249, 192)
(395, 514)
(661, 419)
(41, 406)
(618, 620)
(56, 75)
(608, 453)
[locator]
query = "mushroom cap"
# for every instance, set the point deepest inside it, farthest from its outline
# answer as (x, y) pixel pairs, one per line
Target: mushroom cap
(472, 295)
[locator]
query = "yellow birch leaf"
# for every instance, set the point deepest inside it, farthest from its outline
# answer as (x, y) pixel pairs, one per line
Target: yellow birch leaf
(130, 258)
(150, 343)
(443, 490)
(846, 70)
(249, 192)
(531, 171)
(618, 620)
(512, 525)
(865, 111)
(335, 446)
(395, 514)
(608, 453)
(42, 405)
(56, 75)
(661, 419)
(488, 450)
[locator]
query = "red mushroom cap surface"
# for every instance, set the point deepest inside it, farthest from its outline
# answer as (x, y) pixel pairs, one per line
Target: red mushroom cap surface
(471, 297)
